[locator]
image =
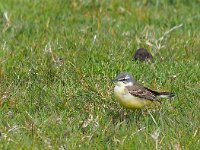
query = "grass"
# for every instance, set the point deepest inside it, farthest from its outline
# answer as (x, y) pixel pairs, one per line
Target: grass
(58, 59)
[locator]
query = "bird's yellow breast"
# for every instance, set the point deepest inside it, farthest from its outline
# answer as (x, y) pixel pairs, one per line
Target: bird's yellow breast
(127, 100)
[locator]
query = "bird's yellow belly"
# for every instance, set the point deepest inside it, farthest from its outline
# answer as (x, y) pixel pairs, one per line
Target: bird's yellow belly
(129, 101)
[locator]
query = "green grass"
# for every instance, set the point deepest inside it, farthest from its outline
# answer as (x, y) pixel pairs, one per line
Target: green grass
(57, 60)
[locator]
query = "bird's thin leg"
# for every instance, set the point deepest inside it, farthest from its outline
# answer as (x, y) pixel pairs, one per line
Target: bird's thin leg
(122, 115)
(138, 113)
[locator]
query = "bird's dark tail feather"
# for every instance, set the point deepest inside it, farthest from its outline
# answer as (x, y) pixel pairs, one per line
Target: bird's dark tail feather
(162, 94)
(166, 95)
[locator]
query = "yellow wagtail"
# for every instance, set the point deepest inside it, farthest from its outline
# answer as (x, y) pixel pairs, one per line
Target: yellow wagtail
(132, 95)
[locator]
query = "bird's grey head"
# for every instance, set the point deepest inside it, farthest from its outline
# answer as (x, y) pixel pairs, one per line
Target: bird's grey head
(125, 78)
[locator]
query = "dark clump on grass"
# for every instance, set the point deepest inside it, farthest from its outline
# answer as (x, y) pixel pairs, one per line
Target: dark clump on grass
(142, 54)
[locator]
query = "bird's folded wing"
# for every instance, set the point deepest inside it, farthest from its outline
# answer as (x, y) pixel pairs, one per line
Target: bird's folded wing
(140, 91)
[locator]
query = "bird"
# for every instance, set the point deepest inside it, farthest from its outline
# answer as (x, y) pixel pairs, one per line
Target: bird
(142, 54)
(133, 95)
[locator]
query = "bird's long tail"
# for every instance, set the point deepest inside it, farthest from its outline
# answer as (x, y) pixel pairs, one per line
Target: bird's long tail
(166, 95)
(162, 94)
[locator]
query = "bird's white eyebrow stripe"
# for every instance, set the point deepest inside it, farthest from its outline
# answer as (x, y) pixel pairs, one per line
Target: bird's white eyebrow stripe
(120, 79)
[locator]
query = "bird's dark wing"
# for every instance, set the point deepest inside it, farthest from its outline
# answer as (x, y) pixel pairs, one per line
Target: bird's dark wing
(142, 92)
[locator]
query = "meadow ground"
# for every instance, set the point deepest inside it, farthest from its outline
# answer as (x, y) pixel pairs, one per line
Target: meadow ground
(57, 60)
